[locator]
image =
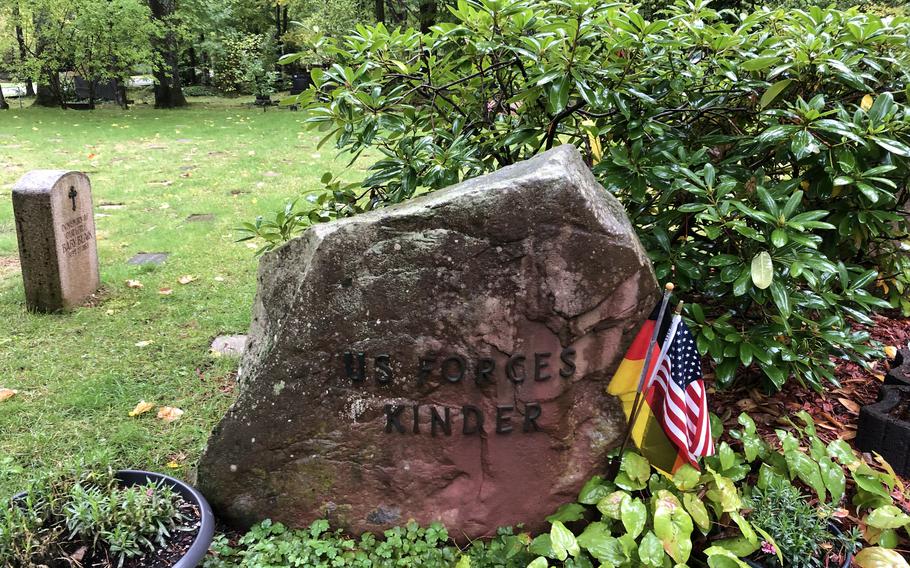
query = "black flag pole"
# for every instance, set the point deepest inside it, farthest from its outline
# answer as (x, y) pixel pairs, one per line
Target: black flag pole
(639, 395)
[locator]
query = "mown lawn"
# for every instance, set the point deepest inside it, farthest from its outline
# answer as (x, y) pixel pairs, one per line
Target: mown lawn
(79, 374)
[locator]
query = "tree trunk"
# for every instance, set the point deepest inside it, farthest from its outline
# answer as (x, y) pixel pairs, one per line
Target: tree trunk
(380, 10)
(23, 53)
(194, 65)
(277, 22)
(287, 19)
(121, 95)
(427, 15)
(49, 92)
(3, 104)
(168, 91)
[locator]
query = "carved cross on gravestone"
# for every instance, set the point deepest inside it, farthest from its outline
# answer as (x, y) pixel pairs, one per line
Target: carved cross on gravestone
(72, 195)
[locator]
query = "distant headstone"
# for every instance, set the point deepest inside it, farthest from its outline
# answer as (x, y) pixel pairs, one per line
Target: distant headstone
(155, 258)
(200, 217)
(229, 345)
(56, 232)
(299, 83)
(443, 360)
(104, 90)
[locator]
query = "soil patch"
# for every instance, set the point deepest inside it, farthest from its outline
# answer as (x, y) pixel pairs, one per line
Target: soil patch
(9, 265)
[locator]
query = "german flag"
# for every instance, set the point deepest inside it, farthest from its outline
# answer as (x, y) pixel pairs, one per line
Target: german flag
(647, 432)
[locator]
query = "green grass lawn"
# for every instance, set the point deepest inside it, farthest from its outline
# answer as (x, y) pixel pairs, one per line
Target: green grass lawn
(79, 374)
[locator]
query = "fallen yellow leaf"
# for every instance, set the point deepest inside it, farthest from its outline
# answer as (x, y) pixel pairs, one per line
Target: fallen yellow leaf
(141, 408)
(165, 291)
(143, 343)
(890, 351)
(173, 465)
(169, 413)
(880, 377)
(6, 394)
(866, 103)
(133, 284)
(186, 279)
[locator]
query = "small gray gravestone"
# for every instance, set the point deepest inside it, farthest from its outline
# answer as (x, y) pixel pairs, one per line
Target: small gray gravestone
(141, 258)
(56, 232)
(200, 217)
(229, 345)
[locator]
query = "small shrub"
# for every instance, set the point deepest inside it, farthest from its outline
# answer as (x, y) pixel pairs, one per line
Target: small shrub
(200, 91)
(241, 61)
(799, 531)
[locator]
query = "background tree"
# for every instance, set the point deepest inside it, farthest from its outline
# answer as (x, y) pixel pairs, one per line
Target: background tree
(107, 39)
(20, 43)
(168, 90)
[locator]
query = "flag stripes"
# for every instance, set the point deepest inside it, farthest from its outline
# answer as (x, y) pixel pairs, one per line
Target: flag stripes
(679, 395)
(674, 425)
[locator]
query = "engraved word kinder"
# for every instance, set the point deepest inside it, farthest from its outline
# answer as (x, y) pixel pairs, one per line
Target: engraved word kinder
(453, 369)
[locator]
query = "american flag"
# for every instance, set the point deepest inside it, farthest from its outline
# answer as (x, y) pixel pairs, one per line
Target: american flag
(677, 396)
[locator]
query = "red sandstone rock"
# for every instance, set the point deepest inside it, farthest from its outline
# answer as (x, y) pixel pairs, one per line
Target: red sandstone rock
(509, 299)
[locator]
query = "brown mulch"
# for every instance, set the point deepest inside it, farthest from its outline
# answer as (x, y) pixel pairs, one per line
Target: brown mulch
(835, 409)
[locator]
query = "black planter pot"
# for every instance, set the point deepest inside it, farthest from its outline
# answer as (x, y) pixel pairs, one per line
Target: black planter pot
(879, 431)
(900, 370)
(200, 546)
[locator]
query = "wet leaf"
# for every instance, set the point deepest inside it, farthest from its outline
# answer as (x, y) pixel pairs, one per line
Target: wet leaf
(887, 517)
(673, 526)
(563, 541)
(169, 413)
(141, 408)
(633, 515)
(762, 270)
(849, 404)
(876, 557)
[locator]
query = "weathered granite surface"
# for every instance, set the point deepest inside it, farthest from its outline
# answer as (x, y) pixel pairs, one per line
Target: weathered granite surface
(533, 270)
(55, 227)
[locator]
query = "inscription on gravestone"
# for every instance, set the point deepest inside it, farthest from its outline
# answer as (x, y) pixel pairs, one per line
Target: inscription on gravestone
(445, 359)
(55, 228)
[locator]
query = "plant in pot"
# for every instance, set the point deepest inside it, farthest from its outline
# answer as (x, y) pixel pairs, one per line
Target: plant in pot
(801, 535)
(106, 519)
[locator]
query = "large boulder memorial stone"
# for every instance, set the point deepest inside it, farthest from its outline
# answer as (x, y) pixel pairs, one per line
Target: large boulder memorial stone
(444, 359)
(55, 228)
